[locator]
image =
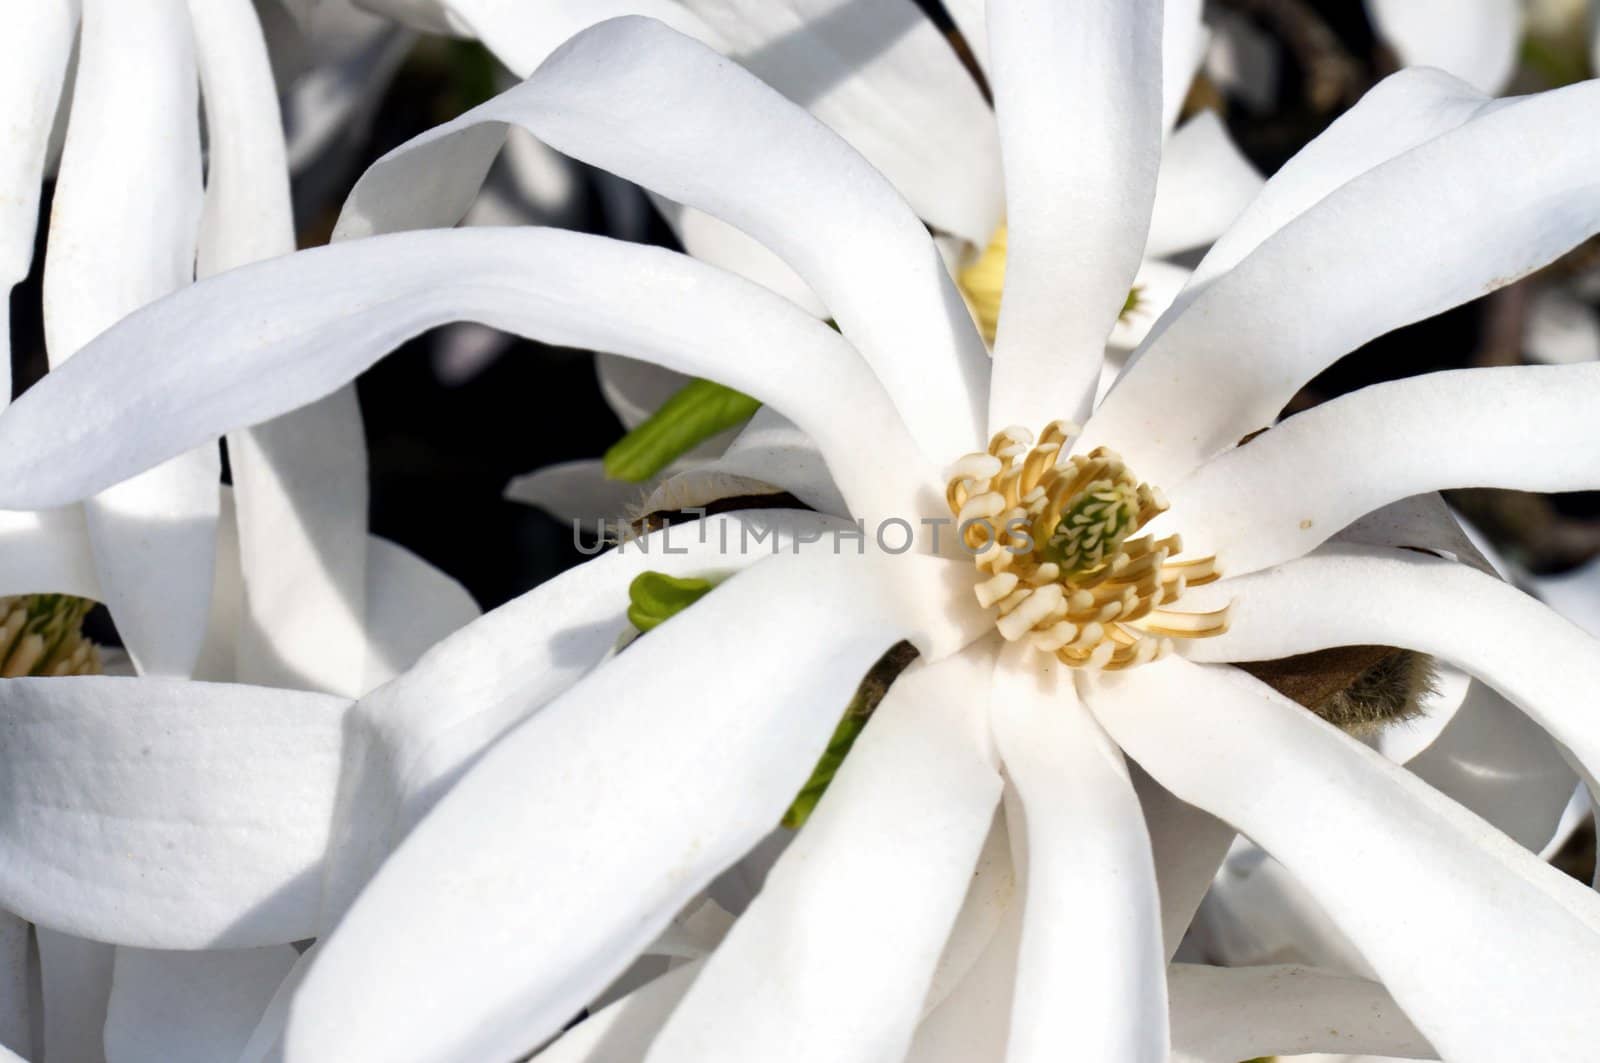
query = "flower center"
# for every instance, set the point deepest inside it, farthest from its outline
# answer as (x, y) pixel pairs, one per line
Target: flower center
(42, 635)
(1056, 538)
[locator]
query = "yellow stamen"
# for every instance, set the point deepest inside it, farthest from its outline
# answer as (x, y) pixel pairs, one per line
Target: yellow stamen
(1054, 536)
(42, 635)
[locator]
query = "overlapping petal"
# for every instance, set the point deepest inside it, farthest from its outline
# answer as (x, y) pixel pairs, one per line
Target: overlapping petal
(1400, 868)
(653, 774)
(295, 329)
(1390, 247)
(648, 104)
(1091, 975)
(167, 813)
(833, 958)
(1080, 133)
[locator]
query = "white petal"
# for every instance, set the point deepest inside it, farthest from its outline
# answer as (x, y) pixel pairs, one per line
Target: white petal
(770, 450)
(34, 46)
(116, 245)
(1183, 45)
(415, 736)
(1494, 760)
(713, 240)
(300, 482)
(569, 845)
(1398, 867)
(47, 552)
(623, 1030)
(167, 813)
(189, 1007)
(1222, 1015)
(1476, 40)
(1091, 976)
(577, 491)
(1367, 596)
(1204, 183)
(75, 980)
(17, 971)
(1562, 328)
(410, 606)
(834, 957)
(1188, 845)
(1283, 493)
(296, 328)
(1079, 106)
(647, 104)
(879, 73)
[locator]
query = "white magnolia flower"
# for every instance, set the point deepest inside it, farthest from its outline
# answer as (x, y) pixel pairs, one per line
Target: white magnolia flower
(534, 820)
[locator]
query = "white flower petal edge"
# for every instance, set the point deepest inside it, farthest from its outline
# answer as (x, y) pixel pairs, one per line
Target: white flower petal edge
(190, 1007)
(47, 552)
(167, 813)
(833, 958)
(654, 773)
(414, 737)
(1080, 132)
(300, 482)
(879, 73)
(1475, 40)
(1091, 975)
(641, 101)
(1394, 245)
(1367, 595)
(1492, 759)
(1399, 867)
(1222, 1015)
(1460, 428)
(35, 42)
(1203, 185)
(298, 327)
(116, 245)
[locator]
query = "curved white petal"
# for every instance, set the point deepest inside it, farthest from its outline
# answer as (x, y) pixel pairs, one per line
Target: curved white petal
(1494, 760)
(115, 245)
(1205, 181)
(1398, 867)
(415, 736)
(1343, 596)
(333, 311)
(1078, 100)
(34, 46)
(1476, 40)
(1188, 845)
(1183, 46)
(623, 1030)
(75, 986)
(166, 813)
(300, 483)
(834, 956)
(650, 105)
(577, 491)
(770, 450)
(572, 842)
(190, 1007)
(47, 551)
(1435, 226)
(411, 606)
(1223, 1015)
(1091, 975)
(879, 74)
(1285, 492)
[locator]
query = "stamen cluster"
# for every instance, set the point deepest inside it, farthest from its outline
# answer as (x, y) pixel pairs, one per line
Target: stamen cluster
(1054, 535)
(41, 635)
